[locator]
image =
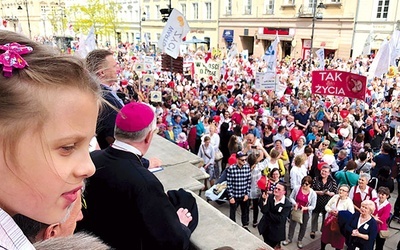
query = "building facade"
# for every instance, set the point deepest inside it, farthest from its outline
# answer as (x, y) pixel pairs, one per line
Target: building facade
(254, 25)
(376, 17)
(341, 28)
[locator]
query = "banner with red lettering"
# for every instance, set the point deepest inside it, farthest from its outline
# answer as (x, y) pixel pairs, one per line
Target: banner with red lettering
(339, 83)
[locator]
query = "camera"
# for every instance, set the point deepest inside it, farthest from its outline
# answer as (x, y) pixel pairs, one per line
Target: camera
(253, 146)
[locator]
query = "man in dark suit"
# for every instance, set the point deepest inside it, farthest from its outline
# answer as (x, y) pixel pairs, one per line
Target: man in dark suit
(102, 63)
(126, 204)
(276, 209)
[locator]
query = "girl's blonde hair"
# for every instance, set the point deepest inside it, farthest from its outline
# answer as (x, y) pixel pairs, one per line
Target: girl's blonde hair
(24, 95)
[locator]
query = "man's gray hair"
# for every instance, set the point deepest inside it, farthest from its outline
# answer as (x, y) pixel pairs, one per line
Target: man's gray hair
(76, 241)
(135, 136)
(366, 176)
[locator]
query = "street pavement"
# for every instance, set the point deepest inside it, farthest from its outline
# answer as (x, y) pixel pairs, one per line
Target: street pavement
(390, 244)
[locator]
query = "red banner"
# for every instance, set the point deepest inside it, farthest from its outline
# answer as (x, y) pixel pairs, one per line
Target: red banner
(338, 83)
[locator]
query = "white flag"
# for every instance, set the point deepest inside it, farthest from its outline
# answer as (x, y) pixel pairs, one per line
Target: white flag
(271, 54)
(380, 64)
(146, 40)
(321, 58)
(394, 47)
(233, 52)
(367, 45)
(173, 33)
(86, 44)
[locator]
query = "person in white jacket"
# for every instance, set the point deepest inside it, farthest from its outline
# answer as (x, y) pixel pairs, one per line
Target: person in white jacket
(303, 197)
(298, 171)
(338, 202)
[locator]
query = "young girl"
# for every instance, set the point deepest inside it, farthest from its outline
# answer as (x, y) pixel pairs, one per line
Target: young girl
(182, 141)
(49, 107)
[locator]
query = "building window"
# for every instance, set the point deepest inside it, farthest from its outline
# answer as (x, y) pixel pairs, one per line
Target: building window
(247, 7)
(147, 36)
(312, 3)
(228, 10)
(158, 13)
(158, 35)
(335, 1)
(183, 9)
(382, 10)
(269, 7)
(43, 9)
(147, 10)
(208, 8)
(290, 2)
(195, 11)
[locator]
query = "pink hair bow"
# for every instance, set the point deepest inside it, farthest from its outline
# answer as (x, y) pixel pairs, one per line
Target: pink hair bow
(11, 58)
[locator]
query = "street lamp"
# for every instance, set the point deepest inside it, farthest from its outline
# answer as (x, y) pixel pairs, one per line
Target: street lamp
(315, 7)
(141, 19)
(25, 2)
(166, 12)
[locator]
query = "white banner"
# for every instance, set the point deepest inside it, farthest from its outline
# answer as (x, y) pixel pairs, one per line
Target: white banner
(367, 45)
(148, 62)
(211, 68)
(265, 81)
(148, 80)
(271, 55)
(155, 96)
(173, 32)
(380, 64)
(321, 58)
(138, 67)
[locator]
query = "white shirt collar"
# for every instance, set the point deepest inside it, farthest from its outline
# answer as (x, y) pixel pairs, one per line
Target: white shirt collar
(282, 200)
(380, 206)
(358, 190)
(11, 236)
(126, 147)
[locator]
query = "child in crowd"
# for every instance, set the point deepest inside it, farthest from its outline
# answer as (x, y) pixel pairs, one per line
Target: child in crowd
(45, 134)
(182, 141)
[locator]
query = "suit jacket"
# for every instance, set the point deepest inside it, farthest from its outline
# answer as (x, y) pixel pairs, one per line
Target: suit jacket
(127, 206)
(273, 222)
(106, 120)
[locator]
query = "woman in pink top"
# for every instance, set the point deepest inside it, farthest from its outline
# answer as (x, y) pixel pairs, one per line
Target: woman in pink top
(381, 215)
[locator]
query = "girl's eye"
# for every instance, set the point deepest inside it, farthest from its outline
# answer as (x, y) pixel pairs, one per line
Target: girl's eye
(65, 150)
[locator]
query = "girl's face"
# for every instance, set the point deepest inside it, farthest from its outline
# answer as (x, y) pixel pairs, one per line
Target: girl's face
(382, 197)
(275, 176)
(53, 161)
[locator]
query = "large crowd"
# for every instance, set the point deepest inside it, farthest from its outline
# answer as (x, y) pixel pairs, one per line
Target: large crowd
(339, 143)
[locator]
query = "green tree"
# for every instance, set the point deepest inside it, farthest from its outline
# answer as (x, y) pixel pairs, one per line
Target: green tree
(100, 14)
(58, 18)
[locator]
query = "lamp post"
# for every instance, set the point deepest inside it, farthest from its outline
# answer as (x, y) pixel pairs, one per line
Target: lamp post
(25, 2)
(314, 8)
(165, 12)
(142, 18)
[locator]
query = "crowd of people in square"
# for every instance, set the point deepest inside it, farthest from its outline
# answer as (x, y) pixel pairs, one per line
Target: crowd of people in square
(279, 154)
(333, 153)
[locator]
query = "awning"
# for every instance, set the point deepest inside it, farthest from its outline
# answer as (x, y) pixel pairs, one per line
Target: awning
(272, 37)
(228, 35)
